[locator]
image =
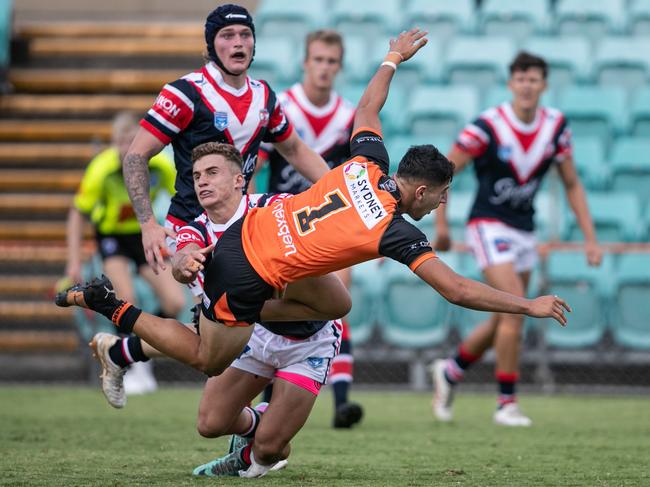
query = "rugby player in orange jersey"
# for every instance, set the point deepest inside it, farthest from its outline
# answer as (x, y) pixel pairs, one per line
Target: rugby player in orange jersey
(352, 214)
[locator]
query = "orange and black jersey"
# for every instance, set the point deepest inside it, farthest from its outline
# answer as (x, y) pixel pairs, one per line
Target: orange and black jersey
(350, 215)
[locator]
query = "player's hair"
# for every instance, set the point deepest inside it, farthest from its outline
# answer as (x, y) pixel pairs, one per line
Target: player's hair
(328, 36)
(425, 163)
(523, 61)
(227, 151)
(123, 122)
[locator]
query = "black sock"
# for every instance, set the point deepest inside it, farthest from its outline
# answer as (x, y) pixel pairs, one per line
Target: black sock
(255, 415)
(125, 316)
(340, 392)
(127, 351)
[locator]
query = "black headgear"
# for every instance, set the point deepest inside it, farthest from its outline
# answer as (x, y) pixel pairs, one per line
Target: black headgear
(220, 17)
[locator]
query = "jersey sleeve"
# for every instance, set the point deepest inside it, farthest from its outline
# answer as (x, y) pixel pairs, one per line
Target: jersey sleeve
(279, 127)
(192, 233)
(563, 142)
(90, 190)
(404, 243)
(172, 111)
(474, 139)
(368, 143)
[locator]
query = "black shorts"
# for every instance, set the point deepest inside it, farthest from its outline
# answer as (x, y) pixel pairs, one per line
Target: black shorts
(129, 246)
(235, 293)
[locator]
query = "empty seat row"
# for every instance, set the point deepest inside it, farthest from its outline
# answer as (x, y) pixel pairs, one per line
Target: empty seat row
(408, 313)
(446, 18)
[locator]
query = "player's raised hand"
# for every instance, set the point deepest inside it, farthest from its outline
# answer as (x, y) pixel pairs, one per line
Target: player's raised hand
(549, 307)
(408, 43)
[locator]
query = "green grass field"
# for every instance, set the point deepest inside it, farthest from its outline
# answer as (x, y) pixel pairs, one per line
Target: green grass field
(64, 436)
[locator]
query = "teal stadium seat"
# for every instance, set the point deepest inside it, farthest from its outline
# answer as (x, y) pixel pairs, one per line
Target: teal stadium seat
(568, 58)
(588, 290)
(458, 206)
(589, 158)
(413, 314)
(591, 18)
(367, 290)
(440, 111)
(443, 19)
(275, 18)
(622, 61)
(594, 110)
(276, 62)
(465, 320)
(356, 62)
(367, 18)
(638, 17)
(513, 18)
(478, 61)
(631, 167)
(5, 33)
(631, 324)
(640, 113)
(398, 145)
(616, 216)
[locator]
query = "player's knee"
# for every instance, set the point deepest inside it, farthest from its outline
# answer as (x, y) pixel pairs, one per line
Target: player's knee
(174, 306)
(208, 424)
(511, 325)
(209, 366)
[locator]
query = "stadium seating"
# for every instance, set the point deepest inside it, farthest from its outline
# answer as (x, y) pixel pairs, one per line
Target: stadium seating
(5, 32)
(356, 62)
(478, 61)
(631, 167)
(290, 18)
(594, 110)
(440, 110)
(638, 17)
(569, 58)
(588, 290)
(443, 19)
(397, 146)
(640, 113)
(464, 319)
(632, 313)
(366, 291)
(622, 61)
(617, 217)
(422, 324)
(589, 158)
(423, 68)
(515, 19)
(591, 18)
(458, 207)
(364, 18)
(266, 66)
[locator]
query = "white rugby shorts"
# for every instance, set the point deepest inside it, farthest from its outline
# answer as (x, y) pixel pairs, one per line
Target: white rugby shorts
(493, 243)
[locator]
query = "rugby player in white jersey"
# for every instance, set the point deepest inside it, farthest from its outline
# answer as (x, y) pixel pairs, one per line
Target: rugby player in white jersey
(512, 145)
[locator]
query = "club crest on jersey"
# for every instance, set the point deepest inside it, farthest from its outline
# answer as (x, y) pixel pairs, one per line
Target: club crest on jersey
(264, 117)
(504, 152)
(221, 120)
(354, 171)
(502, 244)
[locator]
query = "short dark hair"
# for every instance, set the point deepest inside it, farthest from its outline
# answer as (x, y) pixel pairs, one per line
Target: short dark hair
(327, 36)
(227, 151)
(426, 163)
(524, 60)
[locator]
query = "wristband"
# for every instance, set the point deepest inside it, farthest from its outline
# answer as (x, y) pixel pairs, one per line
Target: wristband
(394, 57)
(390, 64)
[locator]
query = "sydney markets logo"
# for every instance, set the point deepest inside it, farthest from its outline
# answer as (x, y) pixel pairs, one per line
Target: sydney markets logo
(366, 202)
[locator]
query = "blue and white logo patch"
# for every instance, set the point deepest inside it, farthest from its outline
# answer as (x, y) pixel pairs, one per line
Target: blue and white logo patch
(315, 362)
(504, 152)
(220, 120)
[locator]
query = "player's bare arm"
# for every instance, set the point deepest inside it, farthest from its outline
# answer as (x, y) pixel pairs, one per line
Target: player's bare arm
(136, 178)
(373, 99)
(443, 238)
(578, 200)
(475, 295)
(188, 262)
(307, 162)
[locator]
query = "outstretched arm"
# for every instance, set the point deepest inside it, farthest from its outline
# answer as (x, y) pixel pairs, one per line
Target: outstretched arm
(373, 99)
(475, 295)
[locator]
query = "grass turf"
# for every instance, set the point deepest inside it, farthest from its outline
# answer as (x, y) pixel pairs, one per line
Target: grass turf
(66, 436)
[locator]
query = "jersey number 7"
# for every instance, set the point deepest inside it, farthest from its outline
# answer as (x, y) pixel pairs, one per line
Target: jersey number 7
(306, 217)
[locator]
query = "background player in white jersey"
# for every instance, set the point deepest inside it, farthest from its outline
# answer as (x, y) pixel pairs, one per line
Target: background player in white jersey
(323, 120)
(218, 103)
(512, 145)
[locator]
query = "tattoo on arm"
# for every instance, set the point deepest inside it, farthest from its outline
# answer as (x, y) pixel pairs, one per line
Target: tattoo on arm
(136, 178)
